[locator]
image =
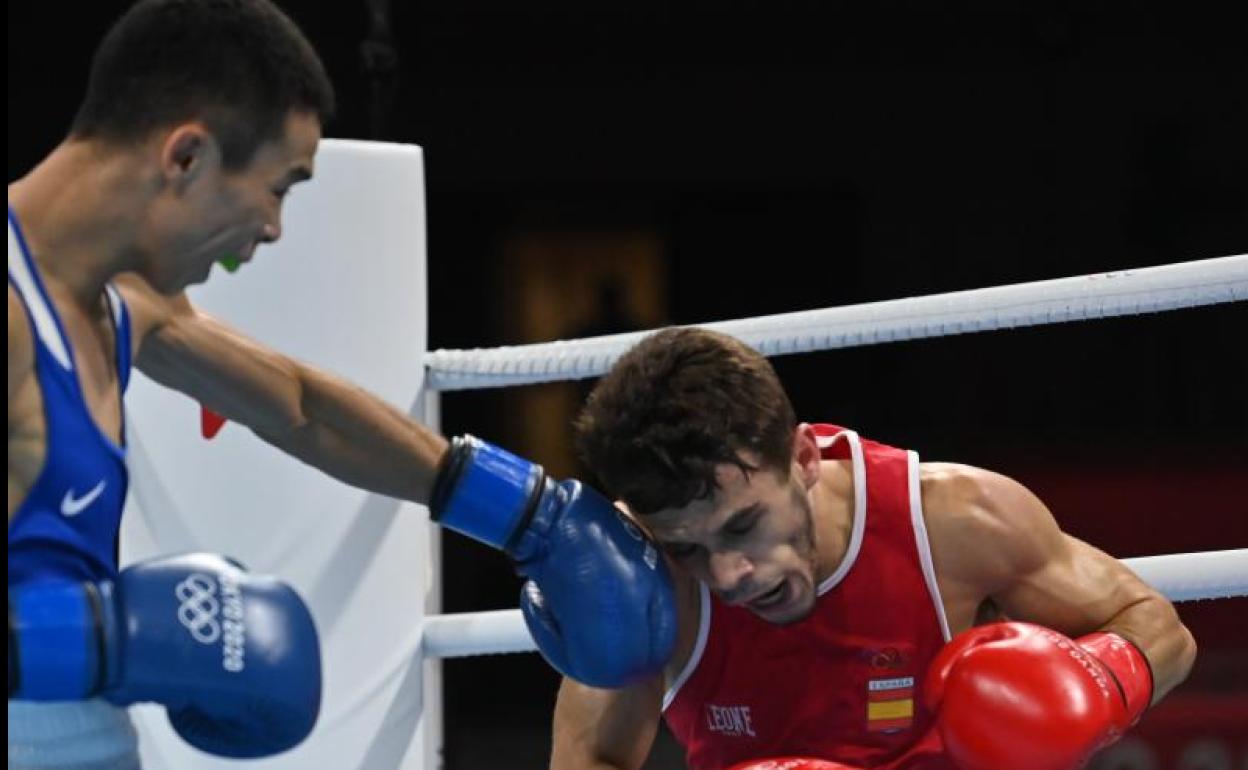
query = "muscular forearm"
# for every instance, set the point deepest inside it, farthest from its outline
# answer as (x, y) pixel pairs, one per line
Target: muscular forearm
(322, 419)
(1153, 625)
(357, 438)
(605, 729)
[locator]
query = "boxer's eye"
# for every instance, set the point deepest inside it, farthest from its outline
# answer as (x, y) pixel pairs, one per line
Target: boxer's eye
(742, 525)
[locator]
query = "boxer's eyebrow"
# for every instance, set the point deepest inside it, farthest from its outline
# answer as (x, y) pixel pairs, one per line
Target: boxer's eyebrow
(734, 524)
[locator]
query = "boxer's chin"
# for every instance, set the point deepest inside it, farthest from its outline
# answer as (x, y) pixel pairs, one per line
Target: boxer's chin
(790, 602)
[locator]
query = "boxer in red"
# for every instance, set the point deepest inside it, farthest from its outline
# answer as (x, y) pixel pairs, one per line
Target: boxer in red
(842, 605)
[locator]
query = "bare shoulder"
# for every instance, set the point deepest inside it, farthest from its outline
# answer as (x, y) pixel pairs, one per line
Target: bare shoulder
(963, 496)
(145, 303)
(149, 309)
(983, 525)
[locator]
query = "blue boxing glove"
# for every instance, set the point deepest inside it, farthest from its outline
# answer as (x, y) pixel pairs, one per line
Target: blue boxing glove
(599, 600)
(233, 657)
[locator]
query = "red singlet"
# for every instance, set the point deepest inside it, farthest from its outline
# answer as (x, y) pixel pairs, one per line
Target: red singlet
(844, 683)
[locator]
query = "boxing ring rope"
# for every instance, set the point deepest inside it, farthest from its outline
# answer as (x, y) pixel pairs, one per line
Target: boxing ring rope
(1180, 577)
(1101, 295)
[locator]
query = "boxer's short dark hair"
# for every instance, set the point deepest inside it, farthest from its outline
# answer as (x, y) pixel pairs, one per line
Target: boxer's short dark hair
(240, 66)
(680, 403)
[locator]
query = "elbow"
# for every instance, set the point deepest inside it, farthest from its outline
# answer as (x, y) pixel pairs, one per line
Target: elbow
(1187, 652)
(288, 432)
(1182, 646)
(287, 423)
(1173, 658)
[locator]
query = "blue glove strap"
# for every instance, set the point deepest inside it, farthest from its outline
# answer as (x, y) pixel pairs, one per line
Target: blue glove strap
(488, 494)
(59, 646)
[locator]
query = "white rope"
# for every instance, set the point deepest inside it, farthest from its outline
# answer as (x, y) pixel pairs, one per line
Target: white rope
(1180, 577)
(476, 633)
(1185, 577)
(1103, 295)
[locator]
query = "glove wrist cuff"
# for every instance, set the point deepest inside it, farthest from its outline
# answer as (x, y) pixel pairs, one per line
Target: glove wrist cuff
(485, 492)
(60, 634)
(1128, 667)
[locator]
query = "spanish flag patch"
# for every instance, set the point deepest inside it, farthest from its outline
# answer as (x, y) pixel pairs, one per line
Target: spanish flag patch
(890, 704)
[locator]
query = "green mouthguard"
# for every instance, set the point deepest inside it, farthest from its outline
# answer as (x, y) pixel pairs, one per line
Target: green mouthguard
(230, 263)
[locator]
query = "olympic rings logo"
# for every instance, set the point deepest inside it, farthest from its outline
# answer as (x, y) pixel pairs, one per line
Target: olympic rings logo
(198, 607)
(200, 612)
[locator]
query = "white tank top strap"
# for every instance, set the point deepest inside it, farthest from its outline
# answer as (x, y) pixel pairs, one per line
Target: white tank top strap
(24, 279)
(704, 631)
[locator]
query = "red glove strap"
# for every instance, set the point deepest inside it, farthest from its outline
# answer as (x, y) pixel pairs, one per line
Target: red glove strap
(1127, 665)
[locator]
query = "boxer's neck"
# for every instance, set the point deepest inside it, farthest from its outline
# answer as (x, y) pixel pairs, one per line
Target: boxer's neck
(832, 503)
(81, 211)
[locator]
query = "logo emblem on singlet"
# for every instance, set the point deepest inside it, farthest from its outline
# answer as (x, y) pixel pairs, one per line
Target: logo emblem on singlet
(729, 720)
(72, 506)
(890, 704)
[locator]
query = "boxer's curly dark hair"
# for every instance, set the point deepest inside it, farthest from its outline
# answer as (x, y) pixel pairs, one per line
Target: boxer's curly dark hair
(680, 403)
(240, 66)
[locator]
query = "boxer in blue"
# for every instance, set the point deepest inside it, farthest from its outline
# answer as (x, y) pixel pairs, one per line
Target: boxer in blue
(199, 117)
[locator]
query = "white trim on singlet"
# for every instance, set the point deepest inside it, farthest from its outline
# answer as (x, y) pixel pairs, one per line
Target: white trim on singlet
(704, 631)
(860, 507)
(925, 547)
(115, 305)
(28, 288)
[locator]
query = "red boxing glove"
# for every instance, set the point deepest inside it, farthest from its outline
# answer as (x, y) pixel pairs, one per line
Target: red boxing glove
(1024, 697)
(791, 763)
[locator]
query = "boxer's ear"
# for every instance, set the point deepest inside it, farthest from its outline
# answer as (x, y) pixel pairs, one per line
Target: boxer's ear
(185, 151)
(806, 455)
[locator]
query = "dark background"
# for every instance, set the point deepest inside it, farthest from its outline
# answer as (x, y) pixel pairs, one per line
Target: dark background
(778, 157)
